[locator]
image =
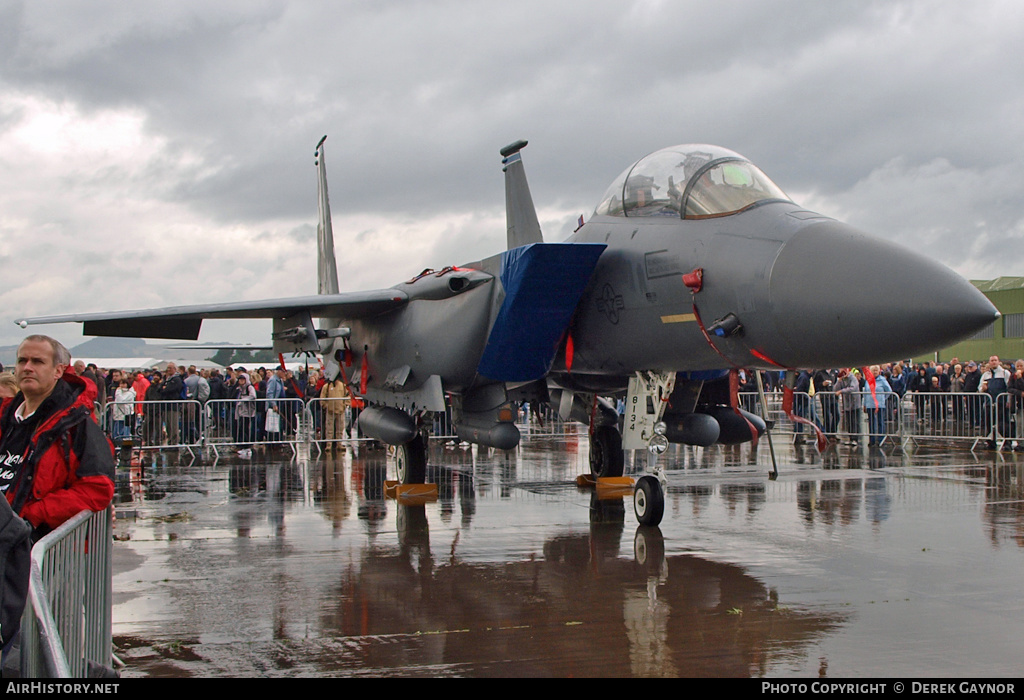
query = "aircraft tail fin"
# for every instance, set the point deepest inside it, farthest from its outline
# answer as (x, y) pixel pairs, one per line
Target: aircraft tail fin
(520, 214)
(327, 264)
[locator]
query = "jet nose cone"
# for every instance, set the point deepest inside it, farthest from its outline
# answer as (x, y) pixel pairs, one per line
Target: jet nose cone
(840, 294)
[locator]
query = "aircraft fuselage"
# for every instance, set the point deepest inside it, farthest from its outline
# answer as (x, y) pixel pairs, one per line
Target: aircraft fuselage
(804, 289)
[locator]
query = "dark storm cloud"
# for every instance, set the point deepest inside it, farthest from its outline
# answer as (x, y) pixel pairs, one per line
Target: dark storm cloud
(418, 97)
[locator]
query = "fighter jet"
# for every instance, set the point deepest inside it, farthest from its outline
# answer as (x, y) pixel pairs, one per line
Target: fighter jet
(693, 264)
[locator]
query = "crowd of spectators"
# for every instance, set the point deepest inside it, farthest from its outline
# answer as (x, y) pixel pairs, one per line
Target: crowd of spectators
(978, 397)
(166, 407)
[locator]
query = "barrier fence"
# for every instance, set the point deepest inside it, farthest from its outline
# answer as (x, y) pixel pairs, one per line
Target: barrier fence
(154, 424)
(222, 423)
(974, 417)
(277, 422)
(66, 627)
(914, 417)
(332, 421)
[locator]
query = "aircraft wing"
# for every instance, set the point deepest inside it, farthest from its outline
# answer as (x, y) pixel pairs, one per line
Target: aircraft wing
(184, 322)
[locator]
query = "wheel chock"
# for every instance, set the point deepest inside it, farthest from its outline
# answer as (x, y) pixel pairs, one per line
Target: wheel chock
(618, 482)
(612, 487)
(605, 482)
(405, 492)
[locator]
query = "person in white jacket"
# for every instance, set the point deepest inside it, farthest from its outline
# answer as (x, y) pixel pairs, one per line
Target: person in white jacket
(124, 410)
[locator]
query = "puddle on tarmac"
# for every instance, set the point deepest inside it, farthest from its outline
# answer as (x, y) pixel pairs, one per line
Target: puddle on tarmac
(847, 565)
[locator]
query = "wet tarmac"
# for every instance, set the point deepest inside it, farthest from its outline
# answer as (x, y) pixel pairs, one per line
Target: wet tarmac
(854, 563)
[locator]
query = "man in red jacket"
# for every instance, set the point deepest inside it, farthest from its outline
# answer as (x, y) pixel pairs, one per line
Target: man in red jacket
(54, 459)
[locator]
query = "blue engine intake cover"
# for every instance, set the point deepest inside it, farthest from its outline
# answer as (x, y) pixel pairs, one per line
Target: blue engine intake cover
(543, 282)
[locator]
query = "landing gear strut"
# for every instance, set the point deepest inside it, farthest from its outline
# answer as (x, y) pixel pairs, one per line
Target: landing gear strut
(646, 400)
(411, 460)
(606, 458)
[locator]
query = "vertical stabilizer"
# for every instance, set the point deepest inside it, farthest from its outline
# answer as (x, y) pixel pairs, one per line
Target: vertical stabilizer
(327, 265)
(520, 214)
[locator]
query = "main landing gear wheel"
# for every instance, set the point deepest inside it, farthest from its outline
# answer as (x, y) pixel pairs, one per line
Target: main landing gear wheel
(411, 460)
(648, 501)
(606, 458)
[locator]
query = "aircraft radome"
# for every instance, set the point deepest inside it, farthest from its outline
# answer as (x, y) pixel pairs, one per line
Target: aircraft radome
(693, 264)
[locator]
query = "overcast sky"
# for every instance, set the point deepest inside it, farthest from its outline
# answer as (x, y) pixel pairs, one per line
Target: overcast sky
(161, 153)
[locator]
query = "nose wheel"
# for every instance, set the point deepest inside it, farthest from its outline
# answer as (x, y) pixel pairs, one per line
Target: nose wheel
(648, 501)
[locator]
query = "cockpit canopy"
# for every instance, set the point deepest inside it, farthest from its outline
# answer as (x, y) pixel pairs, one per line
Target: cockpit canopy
(691, 181)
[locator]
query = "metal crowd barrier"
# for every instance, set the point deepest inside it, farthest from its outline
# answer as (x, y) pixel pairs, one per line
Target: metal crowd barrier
(915, 417)
(841, 416)
(228, 423)
(975, 416)
(529, 422)
(66, 627)
(441, 428)
(950, 416)
(161, 424)
(320, 410)
(189, 424)
(543, 420)
(1009, 415)
(116, 421)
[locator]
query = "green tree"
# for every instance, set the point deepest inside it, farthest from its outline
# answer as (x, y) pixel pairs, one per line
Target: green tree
(222, 356)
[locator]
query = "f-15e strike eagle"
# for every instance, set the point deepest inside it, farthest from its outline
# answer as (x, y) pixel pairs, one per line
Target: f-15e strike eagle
(693, 264)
